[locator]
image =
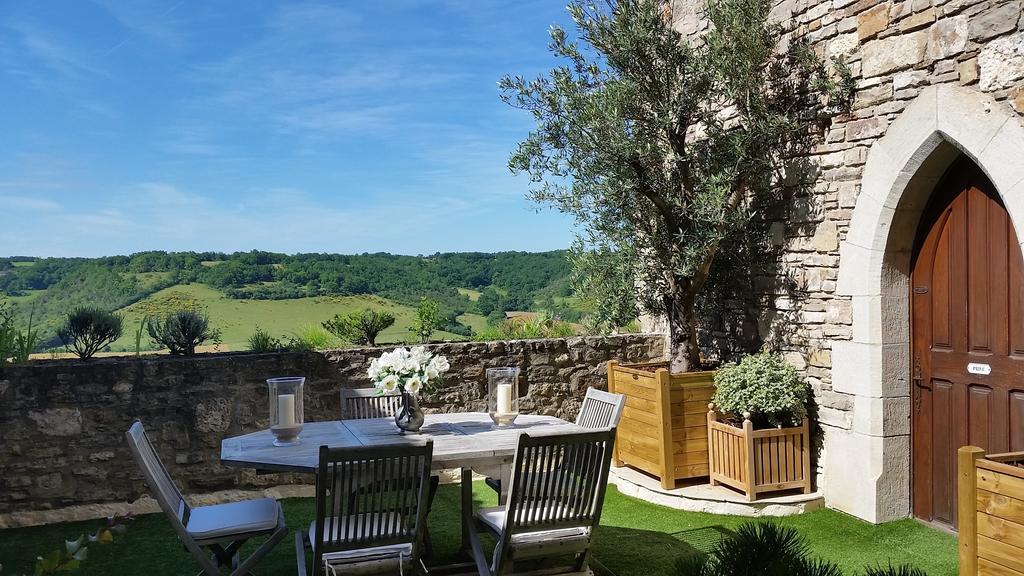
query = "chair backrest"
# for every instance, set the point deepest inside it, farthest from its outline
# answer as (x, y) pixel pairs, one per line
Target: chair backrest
(600, 409)
(372, 496)
(361, 403)
(167, 494)
(558, 481)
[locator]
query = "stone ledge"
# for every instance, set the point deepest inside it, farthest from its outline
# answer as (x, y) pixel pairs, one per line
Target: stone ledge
(711, 499)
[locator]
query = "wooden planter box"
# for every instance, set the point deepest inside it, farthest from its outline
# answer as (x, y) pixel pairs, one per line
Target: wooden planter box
(759, 461)
(662, 430)
(991, 512)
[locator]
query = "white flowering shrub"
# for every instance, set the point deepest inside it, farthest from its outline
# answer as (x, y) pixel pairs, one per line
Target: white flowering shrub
(411, 370)
(765, 385)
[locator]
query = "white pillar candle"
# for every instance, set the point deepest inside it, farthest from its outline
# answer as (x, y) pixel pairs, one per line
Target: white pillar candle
(504, 398)
(286, 410)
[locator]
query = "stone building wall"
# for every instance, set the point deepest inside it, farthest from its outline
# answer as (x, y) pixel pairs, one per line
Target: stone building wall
(963, 57)
(63, 422)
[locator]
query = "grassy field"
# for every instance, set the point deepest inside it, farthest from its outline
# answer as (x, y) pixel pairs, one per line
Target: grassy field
(473, 295)
(237, 319)
(635, 539)
(477, 322)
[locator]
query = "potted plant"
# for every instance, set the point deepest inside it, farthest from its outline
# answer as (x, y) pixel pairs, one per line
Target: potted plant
(668, 176)
(758, 432)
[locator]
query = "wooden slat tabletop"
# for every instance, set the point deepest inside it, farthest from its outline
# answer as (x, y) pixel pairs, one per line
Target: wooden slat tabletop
(461, 440)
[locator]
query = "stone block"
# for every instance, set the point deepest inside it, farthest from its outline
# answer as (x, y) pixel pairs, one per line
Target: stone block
(826, 237)
(996, 21)
(866, 128)
(868, 476)
(893, 53)
(968, 70)
(909, 79)
(948, 37)
(872, 21)
(1001, 63)
(873, 370)
(881, 416)
(60, 422)
(917, 21)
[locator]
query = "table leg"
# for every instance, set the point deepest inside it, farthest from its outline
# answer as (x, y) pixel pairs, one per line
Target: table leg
(467, 507)
(505, 473)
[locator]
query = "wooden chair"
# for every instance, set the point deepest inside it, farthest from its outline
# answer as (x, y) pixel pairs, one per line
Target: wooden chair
(222, 528)
(362, 403)
(379, 531)
(600, 409)
(554, 506)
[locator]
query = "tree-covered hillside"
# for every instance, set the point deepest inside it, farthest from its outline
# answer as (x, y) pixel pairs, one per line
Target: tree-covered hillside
(51, 287)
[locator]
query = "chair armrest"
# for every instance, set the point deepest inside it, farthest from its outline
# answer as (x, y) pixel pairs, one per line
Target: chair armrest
(300, 552)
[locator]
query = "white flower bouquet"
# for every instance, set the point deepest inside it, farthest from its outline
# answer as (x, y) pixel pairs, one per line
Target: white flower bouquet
(407, 370)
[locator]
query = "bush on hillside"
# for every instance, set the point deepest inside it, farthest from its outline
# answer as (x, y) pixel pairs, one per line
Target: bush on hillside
(361, 327)
(311, 337)
(182, 331)
(88, 330)
(540, 325)
(262, 341)
(766, 386)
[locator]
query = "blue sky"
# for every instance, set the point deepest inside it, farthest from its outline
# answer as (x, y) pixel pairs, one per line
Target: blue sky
(333, 126)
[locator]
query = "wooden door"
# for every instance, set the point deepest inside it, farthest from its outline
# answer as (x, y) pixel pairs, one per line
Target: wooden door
(967, 299)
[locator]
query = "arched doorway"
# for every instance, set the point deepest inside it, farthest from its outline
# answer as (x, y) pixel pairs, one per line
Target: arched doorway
(967, 335)
(868, 458)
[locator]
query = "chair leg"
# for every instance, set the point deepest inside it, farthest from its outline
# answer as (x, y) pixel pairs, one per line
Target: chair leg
(300, 553)
(276, 536)
(478, 550)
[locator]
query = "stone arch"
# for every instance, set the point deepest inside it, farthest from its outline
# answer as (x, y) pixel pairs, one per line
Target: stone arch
(868, 465)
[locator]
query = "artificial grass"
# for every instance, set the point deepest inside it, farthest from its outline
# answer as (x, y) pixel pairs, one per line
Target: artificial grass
(636, 538)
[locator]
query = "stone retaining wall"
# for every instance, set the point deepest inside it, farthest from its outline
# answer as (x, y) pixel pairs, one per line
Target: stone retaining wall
(63, 422)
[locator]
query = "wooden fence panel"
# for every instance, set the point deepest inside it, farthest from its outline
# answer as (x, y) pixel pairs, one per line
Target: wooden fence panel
(991, 511)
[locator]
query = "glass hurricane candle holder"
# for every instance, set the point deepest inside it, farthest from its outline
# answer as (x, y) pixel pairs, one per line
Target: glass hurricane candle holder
(503, 395)
(286, 409)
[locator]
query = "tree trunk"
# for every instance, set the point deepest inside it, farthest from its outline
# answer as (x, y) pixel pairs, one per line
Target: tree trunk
(683, 352)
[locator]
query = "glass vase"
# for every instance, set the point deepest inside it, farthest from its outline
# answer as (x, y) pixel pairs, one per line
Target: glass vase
(503, 395)
(409, 417)
(286, 414)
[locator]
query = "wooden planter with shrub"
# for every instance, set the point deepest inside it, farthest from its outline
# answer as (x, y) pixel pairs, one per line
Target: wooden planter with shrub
(662, 430)
(760, 447)
(759, 461)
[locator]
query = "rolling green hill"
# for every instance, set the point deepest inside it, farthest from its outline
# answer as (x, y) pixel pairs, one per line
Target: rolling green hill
(283, 293)
(238, 319)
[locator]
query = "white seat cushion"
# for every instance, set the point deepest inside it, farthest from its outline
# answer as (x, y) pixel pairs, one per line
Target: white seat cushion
(234, 518)
(375, 554)
(494, 518)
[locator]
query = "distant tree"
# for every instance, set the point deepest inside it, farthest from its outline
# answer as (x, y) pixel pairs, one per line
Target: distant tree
(428, 320)
(87, 330)
(360, 327)
(663, 148)
(182, 332)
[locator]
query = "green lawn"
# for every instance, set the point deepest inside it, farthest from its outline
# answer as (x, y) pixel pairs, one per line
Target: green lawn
(473, 295)
(478, 322)
(237, 319)
(636, 538)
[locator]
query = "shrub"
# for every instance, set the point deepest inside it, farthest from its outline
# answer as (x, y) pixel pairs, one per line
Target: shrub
(262, 341)
(768, 549)
(8, 333)
(762, 548)
(182, 331)
(25, 343)
(360, 327)
(311, 337)
(766, 386)
(541, 325)
(87, 330)
(427, 321)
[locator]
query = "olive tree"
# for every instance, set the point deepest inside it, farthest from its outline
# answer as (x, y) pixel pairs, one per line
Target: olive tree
(664, 148)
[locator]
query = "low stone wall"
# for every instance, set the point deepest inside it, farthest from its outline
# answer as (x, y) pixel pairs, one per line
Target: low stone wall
(62, 422)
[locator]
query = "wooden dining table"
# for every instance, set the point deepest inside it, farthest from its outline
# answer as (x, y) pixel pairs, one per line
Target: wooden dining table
(468, 441)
